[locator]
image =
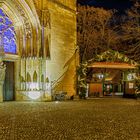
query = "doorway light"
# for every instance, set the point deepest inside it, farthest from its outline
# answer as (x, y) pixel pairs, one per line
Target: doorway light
(34, 95)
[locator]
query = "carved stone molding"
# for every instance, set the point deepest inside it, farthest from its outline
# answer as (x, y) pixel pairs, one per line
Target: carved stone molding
(26, 21)
(44, 16)
(2, 72)
(27, 25)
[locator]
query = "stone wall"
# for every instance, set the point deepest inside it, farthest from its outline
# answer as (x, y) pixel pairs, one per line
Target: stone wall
(63, 44)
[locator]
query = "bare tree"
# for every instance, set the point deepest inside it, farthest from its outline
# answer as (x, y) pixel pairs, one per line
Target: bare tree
(131, 33)
(100, 30)
(96, 31)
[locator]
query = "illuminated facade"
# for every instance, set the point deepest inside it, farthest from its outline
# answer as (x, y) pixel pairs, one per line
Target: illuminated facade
(39, 41)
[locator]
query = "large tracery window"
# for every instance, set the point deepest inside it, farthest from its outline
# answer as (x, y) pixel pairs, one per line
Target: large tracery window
(7, 34)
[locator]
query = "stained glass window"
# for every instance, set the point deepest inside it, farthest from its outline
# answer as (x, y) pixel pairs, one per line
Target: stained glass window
(7, 34)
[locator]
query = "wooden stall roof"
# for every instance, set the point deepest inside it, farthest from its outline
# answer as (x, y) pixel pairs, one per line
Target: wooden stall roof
(113, 65)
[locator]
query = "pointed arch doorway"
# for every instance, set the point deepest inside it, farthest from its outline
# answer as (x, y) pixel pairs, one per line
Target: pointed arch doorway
(9, 48)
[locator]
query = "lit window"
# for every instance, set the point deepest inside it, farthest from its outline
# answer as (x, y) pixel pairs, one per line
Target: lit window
(7, 34)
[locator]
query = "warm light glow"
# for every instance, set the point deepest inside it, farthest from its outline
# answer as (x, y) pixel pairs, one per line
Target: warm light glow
(34, 95)
(100, 76)
(32, 85)
(131, 76)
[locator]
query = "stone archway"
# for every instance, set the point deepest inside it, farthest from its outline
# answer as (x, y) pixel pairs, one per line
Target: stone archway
(8, 48)
(27, 30)
(33, 21)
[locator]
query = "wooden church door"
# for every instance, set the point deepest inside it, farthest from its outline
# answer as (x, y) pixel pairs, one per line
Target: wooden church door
(8, 93)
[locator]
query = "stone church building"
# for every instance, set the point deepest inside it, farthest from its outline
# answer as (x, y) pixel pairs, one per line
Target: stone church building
(37, 49)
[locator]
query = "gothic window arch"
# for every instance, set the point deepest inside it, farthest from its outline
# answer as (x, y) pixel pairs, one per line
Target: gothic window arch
(7, 34)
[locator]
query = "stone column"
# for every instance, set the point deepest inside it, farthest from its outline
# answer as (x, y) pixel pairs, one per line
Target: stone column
(1, 91)
(2, 77)
(17, 76)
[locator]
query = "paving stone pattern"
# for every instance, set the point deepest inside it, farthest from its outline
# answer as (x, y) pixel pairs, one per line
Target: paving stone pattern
(96, 119)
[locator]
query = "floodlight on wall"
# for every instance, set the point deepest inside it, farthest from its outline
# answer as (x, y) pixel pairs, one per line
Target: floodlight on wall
(34, 95)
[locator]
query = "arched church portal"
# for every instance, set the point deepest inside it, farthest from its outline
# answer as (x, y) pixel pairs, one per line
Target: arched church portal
(23, 55)
(8, 46)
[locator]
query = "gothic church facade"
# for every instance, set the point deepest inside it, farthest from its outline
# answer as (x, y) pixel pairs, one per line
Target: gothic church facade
(38, 45)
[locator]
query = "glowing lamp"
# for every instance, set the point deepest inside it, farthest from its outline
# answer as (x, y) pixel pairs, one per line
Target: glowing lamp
(100, 76)
(131, 76)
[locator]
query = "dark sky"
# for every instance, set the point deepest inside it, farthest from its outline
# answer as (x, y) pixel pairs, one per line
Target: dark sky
(109, 4)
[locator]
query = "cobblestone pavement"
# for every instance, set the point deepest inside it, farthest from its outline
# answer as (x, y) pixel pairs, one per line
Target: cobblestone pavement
(96, 119)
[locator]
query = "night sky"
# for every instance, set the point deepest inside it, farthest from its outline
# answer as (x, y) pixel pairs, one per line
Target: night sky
(108, 4)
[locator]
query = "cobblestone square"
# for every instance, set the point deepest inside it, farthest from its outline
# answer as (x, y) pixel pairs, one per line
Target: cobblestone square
(96, 119)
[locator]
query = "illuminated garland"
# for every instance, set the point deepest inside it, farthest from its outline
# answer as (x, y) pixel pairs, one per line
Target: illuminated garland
(108, 56)
(112, 56)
